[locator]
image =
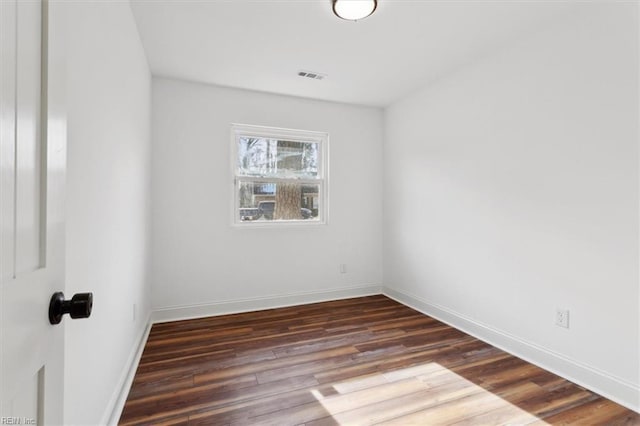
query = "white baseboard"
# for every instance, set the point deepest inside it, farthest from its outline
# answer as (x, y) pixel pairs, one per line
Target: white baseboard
(116, 403)
(600, 382)
(174, 313)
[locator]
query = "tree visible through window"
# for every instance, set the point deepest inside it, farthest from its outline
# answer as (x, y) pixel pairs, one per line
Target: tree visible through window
(279, 175)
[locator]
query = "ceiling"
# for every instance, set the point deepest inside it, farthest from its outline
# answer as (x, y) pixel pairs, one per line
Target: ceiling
(262, 44)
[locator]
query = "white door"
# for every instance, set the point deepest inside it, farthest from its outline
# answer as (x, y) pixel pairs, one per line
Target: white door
(32, 171)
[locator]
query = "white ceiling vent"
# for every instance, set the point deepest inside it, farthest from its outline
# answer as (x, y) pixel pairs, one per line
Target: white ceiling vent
(311, 74)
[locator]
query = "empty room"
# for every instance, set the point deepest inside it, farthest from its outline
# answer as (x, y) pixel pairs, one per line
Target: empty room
(319, 212)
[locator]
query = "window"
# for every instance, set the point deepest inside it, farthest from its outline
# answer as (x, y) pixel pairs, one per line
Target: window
(280, 175)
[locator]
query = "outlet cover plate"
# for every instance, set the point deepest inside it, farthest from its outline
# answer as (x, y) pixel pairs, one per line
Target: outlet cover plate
(562, 317)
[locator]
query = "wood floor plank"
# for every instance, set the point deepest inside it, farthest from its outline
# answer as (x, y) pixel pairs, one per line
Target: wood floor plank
(174, 405)
(242, 411)
(339, 403)
(359, 361)
(167, 383)
(461, 409)
(272, 364)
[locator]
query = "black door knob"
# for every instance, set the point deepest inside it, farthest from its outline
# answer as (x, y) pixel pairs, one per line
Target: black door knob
(79, 306)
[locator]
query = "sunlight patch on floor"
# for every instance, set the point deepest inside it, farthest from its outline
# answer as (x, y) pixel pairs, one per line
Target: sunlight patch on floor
(423, 394)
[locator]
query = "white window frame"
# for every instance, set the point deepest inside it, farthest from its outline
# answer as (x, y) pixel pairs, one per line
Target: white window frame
(322, 180)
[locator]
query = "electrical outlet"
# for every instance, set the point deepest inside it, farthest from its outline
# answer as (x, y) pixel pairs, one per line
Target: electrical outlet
(134, 312)
(562, 318)
(343, 268)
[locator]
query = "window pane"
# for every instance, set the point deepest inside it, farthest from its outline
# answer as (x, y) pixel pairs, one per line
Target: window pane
(270, 201)
(266, 157)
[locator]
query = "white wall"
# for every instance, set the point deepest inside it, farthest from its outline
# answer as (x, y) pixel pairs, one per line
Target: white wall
(108, 202)
(199, 258)
(511, 188)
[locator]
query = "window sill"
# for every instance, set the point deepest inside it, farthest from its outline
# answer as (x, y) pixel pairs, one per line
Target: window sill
(278, 224)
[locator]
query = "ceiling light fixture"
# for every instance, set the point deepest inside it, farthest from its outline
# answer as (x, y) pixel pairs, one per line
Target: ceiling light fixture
(353, 10)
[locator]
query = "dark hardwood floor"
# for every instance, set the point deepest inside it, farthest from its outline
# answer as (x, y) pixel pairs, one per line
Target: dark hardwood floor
(358, 361)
